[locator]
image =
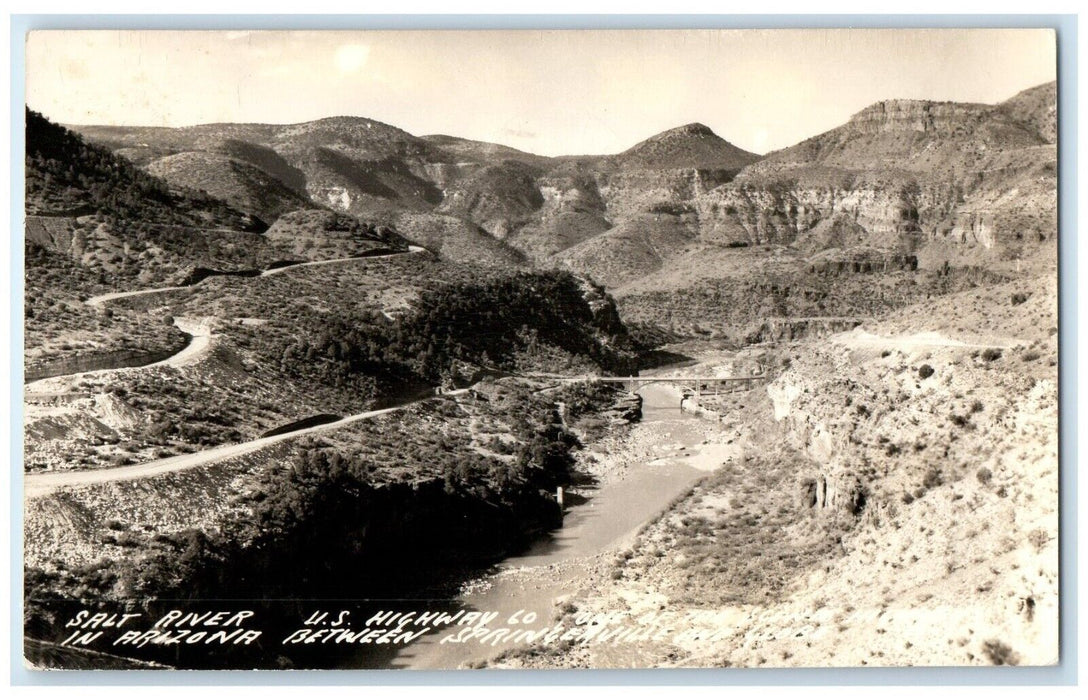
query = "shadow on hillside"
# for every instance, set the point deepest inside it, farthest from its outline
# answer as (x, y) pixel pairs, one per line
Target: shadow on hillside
(661, 358)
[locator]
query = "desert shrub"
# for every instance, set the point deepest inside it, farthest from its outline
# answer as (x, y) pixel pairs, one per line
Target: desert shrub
(500, 446)
(1019, 298)
(1030, 356)
(958, 420)
(933, 478)
(127, 539)
(976, 407)
(925, 371)
(991, 354)
(984, 475)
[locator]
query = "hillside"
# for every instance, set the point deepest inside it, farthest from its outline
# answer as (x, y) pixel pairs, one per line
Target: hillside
(964, 186)
(96, 223)
(66, 176)
(317, 340)
(937, 138)
(499, 197)
(242, 185)
(1037, 108)
(483, 152)
(889, 499)
(122, 225)
(632, 211)
(637, 247)
(319, 234)
(350, 165)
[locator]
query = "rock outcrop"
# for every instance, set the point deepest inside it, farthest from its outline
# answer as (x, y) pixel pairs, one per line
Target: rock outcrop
(900, 175)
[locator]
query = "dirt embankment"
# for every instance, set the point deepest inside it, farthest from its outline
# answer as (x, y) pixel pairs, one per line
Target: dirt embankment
(101, 361)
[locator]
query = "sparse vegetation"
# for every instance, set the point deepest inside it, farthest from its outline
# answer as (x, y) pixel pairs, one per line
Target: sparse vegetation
(69, 176)
(843, 480)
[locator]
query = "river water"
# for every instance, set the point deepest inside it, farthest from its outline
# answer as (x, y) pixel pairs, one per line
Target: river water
(607, 520)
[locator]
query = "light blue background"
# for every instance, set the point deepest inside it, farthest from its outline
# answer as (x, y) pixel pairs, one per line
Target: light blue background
(1065, 673)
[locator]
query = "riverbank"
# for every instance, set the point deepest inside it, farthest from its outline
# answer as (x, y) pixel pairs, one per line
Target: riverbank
(627, 478)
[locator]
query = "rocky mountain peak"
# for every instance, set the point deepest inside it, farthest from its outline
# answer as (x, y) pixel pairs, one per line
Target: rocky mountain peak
(692, 145)
(692, 129)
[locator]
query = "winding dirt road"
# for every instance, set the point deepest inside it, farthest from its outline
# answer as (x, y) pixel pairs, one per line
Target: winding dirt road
(201, 333)
(113, 296)
(277, 270)
(37, 485)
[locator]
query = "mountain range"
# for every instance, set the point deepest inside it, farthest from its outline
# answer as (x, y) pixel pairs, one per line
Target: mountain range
(948, 182)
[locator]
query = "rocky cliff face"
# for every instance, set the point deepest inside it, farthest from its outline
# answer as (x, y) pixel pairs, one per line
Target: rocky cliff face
(899, 175)
(889, 217)
(780, 330)
(943, 118)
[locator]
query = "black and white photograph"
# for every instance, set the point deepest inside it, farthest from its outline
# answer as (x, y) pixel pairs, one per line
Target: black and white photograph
(540, 349)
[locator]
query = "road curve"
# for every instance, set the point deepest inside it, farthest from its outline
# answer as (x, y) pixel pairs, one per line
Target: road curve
(113, 296)
(38, 485)
(103, 298)
(313, 263)
(200, 333)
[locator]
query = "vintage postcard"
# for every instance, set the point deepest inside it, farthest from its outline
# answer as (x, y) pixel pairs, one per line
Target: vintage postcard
(531, 349)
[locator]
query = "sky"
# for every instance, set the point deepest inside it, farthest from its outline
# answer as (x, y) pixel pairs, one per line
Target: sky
(547, 92)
